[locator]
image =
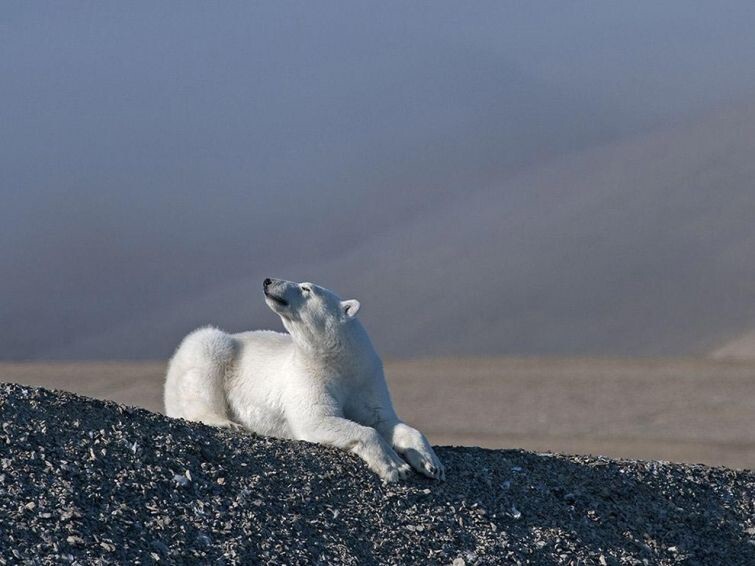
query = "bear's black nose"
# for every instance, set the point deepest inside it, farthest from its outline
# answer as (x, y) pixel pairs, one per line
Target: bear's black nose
(266, 283)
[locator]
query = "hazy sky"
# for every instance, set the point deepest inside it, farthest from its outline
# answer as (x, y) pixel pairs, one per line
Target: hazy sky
(151, 151)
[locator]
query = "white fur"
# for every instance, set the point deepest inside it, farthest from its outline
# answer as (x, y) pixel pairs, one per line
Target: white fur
(322, 382)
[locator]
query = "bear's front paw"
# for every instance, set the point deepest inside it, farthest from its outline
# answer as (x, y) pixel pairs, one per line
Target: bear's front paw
(384, 461)
(426, 462)
(393, 470)
(413, 446)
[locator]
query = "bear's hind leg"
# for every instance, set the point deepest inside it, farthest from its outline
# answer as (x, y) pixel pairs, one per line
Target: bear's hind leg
(203, 398)
(195, 384)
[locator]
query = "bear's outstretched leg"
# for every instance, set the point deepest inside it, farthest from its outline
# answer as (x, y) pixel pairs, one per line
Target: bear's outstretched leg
(364, 441)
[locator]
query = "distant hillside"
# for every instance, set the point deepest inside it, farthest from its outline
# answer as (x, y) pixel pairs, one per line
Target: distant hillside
(742, 348)
(642, 247)
(114, 251)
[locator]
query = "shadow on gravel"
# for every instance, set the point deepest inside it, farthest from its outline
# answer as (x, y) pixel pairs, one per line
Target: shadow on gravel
(86, 481)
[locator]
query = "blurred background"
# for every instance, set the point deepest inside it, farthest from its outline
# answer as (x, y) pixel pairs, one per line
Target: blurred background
(547, 211)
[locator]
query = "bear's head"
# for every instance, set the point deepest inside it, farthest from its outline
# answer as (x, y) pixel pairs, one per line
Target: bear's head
(315, 317)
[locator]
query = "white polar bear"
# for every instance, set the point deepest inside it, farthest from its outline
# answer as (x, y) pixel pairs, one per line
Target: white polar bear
(322, 382)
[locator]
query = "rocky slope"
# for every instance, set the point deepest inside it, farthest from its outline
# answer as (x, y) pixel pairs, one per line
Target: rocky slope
(86, 481)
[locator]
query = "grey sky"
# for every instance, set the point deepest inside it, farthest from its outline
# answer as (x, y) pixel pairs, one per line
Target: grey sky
(151, 153)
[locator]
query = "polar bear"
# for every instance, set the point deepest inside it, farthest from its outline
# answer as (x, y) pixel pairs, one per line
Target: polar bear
(322, 382)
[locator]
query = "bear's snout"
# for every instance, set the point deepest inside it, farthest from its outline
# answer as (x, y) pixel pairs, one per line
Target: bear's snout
(275, 290)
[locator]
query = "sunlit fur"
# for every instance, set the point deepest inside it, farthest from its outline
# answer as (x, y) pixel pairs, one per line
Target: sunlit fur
(322, 382)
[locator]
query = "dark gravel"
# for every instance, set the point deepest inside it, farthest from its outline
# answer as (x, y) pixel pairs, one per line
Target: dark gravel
(89, 482)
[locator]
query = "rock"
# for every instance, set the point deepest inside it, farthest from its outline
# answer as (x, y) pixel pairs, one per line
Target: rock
(146, 488)
(160, 547)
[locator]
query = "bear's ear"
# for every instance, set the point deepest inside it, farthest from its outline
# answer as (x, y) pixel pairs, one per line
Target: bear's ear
(350, 308)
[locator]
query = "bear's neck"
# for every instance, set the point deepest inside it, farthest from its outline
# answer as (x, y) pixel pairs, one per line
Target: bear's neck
(348, 351)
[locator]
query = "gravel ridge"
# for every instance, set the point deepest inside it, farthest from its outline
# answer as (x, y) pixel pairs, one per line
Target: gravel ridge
(91, 482)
